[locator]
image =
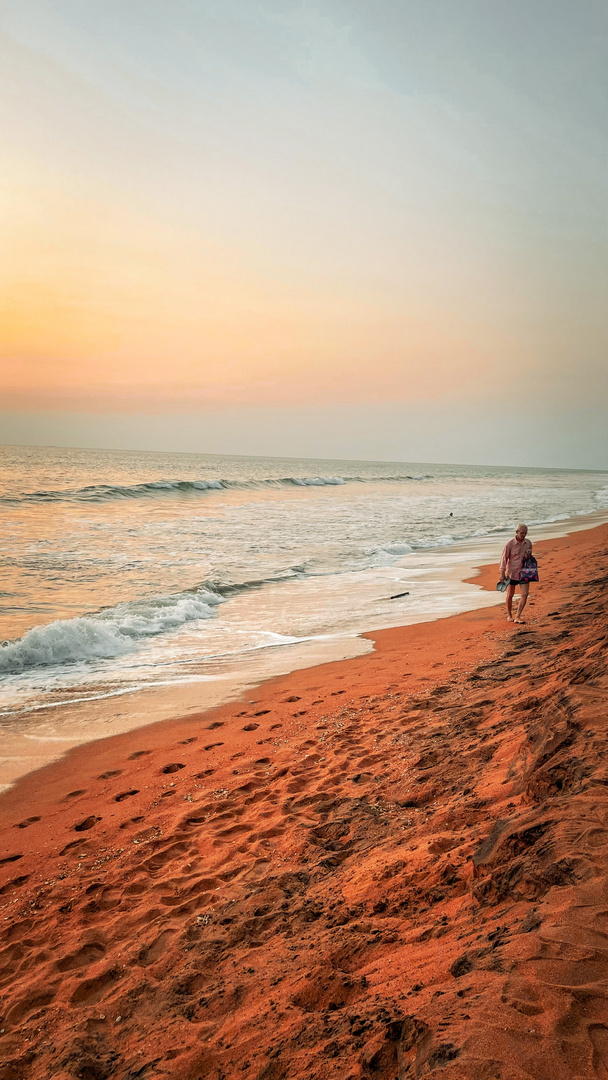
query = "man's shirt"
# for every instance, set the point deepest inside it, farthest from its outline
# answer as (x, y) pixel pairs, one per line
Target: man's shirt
(513, 556)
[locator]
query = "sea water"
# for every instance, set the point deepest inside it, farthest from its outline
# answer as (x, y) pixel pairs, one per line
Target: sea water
(124, 571)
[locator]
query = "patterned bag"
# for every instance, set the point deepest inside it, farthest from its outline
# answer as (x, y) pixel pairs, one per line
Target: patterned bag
(529, 569)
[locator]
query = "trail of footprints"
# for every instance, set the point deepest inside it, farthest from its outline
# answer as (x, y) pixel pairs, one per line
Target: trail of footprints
(171, 866)
(223, 819)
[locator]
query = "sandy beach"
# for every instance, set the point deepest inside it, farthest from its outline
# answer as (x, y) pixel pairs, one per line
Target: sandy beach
(389, 866)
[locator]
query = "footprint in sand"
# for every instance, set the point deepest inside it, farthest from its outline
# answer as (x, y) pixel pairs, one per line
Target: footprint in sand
(219, 723)
(28, 1003)
(234, 830)
(16, 883)
(138, 754)
(167, 854)
(74, 794)
(291, 699)
(17, 931)
(126, 795)
(296, 786)
(92, 990)
(107, 899)
(88, 823)
(251, 727)
(88, 954)
(173, 767)
(202, 775)
(132, 821)
(274, 726)
(186, 742)
(598, 1035)
(212, 745)
(108, 775)
(72, 845)
(150, 953)
(262, 712)
(24, 824)
(10, 858)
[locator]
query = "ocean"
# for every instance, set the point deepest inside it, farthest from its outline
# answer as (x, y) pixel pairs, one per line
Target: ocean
(122, 573)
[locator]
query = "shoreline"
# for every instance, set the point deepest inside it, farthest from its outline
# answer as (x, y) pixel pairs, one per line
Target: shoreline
(85, 721)
(399, 859)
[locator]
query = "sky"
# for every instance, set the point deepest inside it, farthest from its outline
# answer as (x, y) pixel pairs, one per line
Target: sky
(347, 229)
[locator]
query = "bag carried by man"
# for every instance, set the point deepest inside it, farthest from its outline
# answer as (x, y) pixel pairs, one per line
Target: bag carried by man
(529, 569)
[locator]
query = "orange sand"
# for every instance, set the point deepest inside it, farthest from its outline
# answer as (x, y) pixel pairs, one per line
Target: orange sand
(387, 867)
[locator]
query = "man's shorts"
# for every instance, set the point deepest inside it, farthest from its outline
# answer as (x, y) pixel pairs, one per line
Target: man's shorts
(516, 581)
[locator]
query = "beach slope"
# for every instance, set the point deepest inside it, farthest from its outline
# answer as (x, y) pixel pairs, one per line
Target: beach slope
(387, 867)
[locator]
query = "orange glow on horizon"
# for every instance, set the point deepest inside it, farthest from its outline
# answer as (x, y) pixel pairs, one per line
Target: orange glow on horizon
(106, 309)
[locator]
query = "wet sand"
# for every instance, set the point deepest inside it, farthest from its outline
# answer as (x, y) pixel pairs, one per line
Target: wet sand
(389, 866)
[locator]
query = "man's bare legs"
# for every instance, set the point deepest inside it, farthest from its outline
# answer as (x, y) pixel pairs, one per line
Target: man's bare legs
(524, 588)
(509, 596)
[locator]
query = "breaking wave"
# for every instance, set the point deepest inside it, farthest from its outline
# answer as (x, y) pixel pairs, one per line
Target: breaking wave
(106, 634)
(105, 492)
(116, 631)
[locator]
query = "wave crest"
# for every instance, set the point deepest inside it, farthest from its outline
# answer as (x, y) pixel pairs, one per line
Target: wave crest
(107, 634)
(104, 492)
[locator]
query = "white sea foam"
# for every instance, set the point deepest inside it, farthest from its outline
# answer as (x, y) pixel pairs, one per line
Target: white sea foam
(442, 541)
(386, 555)
(107, 634)
(398, 549)
(316, 481)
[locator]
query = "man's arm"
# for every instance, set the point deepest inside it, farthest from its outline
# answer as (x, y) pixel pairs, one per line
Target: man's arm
(504, 562)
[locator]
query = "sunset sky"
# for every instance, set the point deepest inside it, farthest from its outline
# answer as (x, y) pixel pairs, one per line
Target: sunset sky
(360, 229)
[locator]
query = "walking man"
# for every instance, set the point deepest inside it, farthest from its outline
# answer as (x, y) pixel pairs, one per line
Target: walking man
(514, 553)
